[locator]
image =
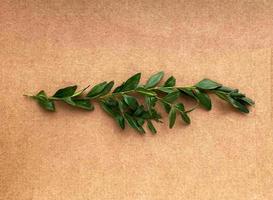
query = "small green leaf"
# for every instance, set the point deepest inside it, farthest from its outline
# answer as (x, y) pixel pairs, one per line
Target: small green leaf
(131, 101)
(84, 104)
(108, 109)
(140, 121)
(133, 123)
(120, 120)
(154, 80)
(185, 117)
(111, 102)
(80, 92)
(238, 105)
(80, 103)
(247, 101)
(225, 89)
(132, 82)
(65, 92)
(145, 92)
(44, 102)
(167, 90)
(207, 84)
(172, 117)
(180, 107)
(166, 106)
(170, 82)
(97, 89)
(222, 95)
(151, 126)
(69, 101)
(203, 98)
(236, 94)
(107, 88)
(119, 88)
(150, 102)
(171, 97)
(187, 92)
(139, 110)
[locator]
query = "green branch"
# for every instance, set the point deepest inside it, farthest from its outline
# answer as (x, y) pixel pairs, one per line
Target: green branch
(123, 106)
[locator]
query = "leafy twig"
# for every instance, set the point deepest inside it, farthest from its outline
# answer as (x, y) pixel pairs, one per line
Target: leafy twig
(122, 104)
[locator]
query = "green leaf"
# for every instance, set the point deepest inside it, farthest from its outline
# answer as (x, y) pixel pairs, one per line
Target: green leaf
(225, 89)
(80, 92)
(140, 121)
(171, 97)
(107, 88)
(166, 106)
(131, 101)
(113, 113)
(44, 102)
(65, 92)
(80, 103)
(151, 127)
(145, 92)
(180, 107)
(155, 115)
(203, 98)
(111, 102)
(120, 120)
(172, 117)
(139, 110)
(108, 109)
(170, 82)
(132, 82)
(150, 103)
(97, 89)
(133, 123)
(69, 101)
(238, 105)
(207, 84)
(154, 80)
(222, 95)
(84, 104)
(167, 90)
(185, 117)
(236, 94)
(247, 101)
(187, 92)
(119, 88)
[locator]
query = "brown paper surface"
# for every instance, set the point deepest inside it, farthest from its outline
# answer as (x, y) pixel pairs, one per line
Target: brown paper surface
(78, 155)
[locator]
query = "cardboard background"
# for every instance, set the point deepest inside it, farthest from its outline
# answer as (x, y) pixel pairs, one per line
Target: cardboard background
(77, 155)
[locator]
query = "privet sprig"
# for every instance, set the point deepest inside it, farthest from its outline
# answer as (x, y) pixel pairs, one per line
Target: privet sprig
(123, 106)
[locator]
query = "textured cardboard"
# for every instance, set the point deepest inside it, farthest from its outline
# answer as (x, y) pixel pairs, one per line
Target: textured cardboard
(78, 155)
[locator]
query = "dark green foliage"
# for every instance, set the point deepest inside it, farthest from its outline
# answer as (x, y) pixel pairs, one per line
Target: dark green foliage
(235, 98)
(124, 107)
